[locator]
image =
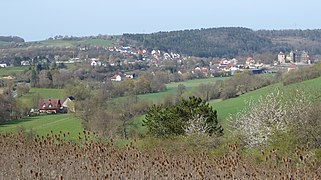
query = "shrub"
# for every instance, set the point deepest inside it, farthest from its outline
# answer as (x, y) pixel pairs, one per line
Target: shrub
(277, 113)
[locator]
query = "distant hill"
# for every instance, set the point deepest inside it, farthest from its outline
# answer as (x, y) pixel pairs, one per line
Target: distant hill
(228, 41)
(9, 39)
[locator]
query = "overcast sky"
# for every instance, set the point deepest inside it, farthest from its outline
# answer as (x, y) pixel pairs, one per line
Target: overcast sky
(41, 19)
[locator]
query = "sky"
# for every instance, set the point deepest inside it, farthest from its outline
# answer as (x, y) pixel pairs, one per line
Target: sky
(41, 19)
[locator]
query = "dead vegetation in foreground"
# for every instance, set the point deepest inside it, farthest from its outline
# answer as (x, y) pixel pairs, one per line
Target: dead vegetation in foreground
(51, 157)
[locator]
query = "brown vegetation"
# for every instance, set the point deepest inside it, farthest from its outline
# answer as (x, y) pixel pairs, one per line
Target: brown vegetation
(51, 157)
(301, 75)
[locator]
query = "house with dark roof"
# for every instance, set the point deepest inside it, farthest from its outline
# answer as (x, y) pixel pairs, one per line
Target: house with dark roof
(49, 106)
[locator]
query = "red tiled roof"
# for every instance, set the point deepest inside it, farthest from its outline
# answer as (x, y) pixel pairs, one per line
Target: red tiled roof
(49, 104)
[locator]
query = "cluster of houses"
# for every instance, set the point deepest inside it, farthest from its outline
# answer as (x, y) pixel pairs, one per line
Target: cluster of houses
(231, 66)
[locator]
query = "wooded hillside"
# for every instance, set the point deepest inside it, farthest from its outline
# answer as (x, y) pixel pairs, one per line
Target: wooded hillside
(228, 41)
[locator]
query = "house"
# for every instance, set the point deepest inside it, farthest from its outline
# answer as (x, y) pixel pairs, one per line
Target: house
(69, 104)
(117, 78)
(8, 78)
(250, 61)
(25, 63)
(292, 67)
(130, 76)
(281, 58)
(95, 63)
(49, 106)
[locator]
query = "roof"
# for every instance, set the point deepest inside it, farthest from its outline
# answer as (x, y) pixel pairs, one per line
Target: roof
(49, 104)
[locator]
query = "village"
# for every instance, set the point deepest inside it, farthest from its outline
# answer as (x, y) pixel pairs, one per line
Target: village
(156, 60)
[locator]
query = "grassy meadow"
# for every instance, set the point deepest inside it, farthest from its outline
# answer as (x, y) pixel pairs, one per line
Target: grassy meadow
(43, 124)
(43, 93)
(232, 106)
(12, 70)
(171, 88)
(66, 43)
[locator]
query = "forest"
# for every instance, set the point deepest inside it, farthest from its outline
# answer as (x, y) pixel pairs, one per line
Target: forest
(228, 41)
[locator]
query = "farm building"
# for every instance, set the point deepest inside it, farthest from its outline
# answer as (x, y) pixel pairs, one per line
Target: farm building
(50, 106)
(69, 104)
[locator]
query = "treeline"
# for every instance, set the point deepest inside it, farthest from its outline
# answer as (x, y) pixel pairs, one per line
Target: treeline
(228, 41)
(314, 34)
(237, 85)
(301, 75)
(14, 39)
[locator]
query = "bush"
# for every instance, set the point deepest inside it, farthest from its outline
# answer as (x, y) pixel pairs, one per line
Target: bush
(277, 114)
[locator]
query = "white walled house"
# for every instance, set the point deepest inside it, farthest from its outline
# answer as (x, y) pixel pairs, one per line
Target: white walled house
(117, 78)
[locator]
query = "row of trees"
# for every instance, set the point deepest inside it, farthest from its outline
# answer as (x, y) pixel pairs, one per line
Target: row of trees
(104, 116)
(14, 39)
(301, 75)
(238, 84)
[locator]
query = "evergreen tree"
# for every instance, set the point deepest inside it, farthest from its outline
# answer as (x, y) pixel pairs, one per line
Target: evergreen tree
(164, 121)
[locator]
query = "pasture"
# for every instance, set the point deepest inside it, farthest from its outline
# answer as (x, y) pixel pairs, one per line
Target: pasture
(44, 124)
(171, 88)
(66, 43)
(232, 106)
(12, 70)
(43, 93)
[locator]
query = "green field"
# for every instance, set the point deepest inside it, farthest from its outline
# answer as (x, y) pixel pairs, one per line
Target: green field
(101, 42)
(172, 88)
(64, 43)
(4, 43)
(44, 93)
(43, 124)
(66, 122)
(232, 106)
(12, 70)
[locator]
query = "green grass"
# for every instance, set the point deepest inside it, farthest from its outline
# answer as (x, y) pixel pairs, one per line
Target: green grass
(44, 93)
(102, 42)
(232, 106)
(64, 43)
(60, 43)
(4, 43)
(136, 126)
(42, 125)
(172, 88)
(12, 70)
(229, 107)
